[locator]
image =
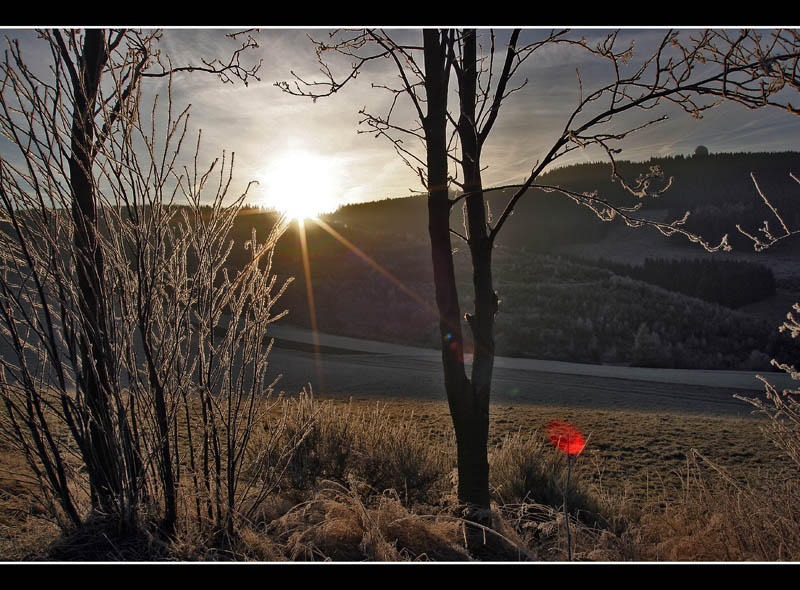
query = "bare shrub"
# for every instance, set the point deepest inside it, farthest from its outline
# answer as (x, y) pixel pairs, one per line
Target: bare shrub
(782, 407)
(133, 394)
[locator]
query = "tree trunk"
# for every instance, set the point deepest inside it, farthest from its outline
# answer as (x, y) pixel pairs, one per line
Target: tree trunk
(469, 405)
(113, 461)
(89, 267)
(436, 79)
(474, 409)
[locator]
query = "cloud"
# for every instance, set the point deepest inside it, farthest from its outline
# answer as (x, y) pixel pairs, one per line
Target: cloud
(260, 122)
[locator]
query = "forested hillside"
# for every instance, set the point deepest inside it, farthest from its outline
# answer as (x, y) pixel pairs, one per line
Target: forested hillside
(552, 307)
(717, 189)
(732, 283)
(665, 312)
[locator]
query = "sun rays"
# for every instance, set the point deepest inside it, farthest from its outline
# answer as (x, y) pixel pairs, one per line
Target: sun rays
(302, 224)
(302, 185)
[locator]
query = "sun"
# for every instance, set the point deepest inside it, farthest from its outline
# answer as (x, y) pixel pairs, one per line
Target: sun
(301, 184)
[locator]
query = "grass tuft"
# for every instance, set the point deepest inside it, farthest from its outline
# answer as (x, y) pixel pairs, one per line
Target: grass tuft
(524, 470)
(383, 451)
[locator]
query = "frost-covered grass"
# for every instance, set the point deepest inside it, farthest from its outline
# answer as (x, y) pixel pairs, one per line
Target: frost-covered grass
(375, 481)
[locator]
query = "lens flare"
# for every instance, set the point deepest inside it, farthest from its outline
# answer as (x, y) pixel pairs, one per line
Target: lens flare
(565, 437)
(312, 308)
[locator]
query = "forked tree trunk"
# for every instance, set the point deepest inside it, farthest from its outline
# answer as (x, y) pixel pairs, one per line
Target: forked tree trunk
(468, 404)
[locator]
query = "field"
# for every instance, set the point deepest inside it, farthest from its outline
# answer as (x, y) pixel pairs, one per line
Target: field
(636, 453)
(637, 465)
(669, 457)
(675, 468)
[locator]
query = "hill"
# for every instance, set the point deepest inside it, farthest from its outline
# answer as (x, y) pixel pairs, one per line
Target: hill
(572, 288)
(553, 307)
(717, 189)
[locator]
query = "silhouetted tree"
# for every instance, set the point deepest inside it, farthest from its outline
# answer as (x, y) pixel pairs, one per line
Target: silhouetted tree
(674, 72)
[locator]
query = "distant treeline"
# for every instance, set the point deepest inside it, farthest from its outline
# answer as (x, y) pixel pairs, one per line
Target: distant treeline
(732, 283)
(557, 308)
(717, 189)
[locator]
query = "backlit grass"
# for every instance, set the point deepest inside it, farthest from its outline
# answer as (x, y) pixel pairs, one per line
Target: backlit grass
(375, 481)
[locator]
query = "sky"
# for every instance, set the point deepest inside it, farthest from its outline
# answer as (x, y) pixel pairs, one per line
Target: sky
(313, 147)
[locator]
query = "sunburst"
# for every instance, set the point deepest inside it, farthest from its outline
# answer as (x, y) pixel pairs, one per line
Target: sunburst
(301, 184)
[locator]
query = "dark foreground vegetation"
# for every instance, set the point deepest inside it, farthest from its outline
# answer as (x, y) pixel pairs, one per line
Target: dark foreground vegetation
(374, 481)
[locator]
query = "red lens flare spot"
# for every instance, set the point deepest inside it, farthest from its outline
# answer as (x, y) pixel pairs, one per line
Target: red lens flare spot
(565, 437)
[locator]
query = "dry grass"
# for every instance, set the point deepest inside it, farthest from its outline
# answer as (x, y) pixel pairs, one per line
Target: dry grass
(25, 529)
(633, 453)
(377, 446)
(339, 523)
(375, 482)
(734, 520)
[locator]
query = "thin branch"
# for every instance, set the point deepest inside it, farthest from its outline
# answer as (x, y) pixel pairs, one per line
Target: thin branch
(769, 239)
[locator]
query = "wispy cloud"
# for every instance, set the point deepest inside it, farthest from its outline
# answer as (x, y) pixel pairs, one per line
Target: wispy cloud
(259, 122)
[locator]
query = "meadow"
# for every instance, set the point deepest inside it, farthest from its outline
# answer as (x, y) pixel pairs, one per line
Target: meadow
(667, 474)
(374, 480)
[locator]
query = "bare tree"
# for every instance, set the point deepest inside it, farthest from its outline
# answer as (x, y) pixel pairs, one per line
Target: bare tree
(773, 83)
(113, 296)
(676, 72)
(768, 63)
(761, 66)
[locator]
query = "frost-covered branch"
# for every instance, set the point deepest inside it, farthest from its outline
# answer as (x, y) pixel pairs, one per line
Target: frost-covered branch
(767, 238)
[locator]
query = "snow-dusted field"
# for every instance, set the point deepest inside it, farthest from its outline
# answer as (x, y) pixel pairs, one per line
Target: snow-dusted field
(350, 367)
(367, 369)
